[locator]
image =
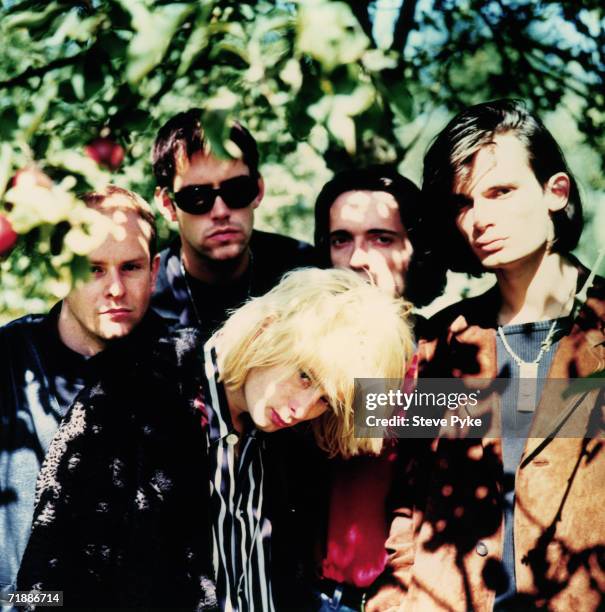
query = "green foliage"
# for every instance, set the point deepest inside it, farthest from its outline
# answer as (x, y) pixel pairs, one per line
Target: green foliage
(307, 77)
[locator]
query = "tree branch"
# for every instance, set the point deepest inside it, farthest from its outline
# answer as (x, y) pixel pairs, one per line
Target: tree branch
(404, 25)
(22, 78)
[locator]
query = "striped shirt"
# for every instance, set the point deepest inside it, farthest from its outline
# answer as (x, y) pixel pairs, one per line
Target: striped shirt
(241, 533)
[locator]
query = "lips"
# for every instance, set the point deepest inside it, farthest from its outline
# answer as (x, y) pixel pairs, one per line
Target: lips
(489, 246)
(117, 313)
(277, 420)
(224, 233)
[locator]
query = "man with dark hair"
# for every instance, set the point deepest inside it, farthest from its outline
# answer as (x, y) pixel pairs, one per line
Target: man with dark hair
(219, 260)
(369, 220)
(46, 360)
(513, 520)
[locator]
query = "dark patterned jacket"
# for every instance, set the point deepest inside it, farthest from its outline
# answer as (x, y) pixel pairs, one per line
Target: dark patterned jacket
(121, 515)
(39, 379)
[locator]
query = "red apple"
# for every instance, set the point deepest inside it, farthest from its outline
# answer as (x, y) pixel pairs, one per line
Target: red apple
(105, 152)
(8, 236)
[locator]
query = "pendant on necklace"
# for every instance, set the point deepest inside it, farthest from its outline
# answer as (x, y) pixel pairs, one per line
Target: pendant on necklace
(528, 386)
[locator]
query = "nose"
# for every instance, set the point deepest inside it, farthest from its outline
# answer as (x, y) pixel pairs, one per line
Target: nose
(482, 212)
(359, 258)
(115, 285)
(220, 210)
(301, 407)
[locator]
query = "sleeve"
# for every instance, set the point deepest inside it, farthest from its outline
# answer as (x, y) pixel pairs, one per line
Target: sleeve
(80, 510)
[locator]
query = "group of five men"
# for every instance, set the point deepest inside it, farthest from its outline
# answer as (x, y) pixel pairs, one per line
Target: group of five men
(508, 521)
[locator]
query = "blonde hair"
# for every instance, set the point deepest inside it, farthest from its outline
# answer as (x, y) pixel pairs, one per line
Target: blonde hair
(334, 326)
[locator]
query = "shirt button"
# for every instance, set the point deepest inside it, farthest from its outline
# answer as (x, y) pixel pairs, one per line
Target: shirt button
(481, 549)
(232, 439)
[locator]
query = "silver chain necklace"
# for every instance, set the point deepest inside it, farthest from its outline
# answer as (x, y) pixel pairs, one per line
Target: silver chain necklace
(528, 370)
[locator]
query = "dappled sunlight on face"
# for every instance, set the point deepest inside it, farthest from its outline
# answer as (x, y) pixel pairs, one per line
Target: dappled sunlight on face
(223, 233)
(115, 297)
(503, 211)
(276, 398)
(367, 236)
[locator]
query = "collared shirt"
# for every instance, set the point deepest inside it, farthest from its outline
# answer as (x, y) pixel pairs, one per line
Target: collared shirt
(241, 532)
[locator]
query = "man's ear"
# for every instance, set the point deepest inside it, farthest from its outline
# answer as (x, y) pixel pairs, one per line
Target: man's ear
(164, 204)
(261, 192)
(155, 266)
(557, 190)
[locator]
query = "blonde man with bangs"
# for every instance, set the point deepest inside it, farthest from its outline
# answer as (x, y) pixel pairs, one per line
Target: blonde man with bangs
(171, 495)
(319, 336)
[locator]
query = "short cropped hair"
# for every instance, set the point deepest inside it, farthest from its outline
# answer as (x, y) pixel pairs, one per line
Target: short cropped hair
(96, 200)
(425, 278)
(184, 132)
(449, 161)
(330, 324)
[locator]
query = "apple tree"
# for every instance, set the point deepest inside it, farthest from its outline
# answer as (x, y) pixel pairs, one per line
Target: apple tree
(85, 84)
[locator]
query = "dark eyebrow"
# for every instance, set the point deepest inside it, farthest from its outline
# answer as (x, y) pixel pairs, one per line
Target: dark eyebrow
(378, 230)
(500, 186)
(340, 233)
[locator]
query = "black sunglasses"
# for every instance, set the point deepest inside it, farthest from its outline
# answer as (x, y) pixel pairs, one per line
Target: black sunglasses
(236, 192)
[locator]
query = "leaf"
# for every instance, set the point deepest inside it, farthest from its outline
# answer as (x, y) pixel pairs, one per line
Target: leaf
(31, 19)
(80, 268)
(216, 131)
(329, 32)
(376, 60)
(30, 122)
(394, 88)
(197, 42)
(401, 101)
(319, 139)
(78, 84)
(343, 128)
(9, 120)
(80, 164)
(236, 48)
(356, 102)
(154, 32)
(291, 74)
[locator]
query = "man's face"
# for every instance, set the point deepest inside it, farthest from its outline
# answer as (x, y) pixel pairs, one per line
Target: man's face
(222, 233)
(367, 236)
(276, 398)
(503, 209)
(116, 296)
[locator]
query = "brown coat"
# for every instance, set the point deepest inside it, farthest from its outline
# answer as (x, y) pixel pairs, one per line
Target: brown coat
(446, 547)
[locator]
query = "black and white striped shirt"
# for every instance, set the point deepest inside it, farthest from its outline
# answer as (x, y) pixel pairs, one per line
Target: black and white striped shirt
(241, 533)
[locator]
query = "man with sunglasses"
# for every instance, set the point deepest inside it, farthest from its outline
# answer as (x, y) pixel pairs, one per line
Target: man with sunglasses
(219, 260)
